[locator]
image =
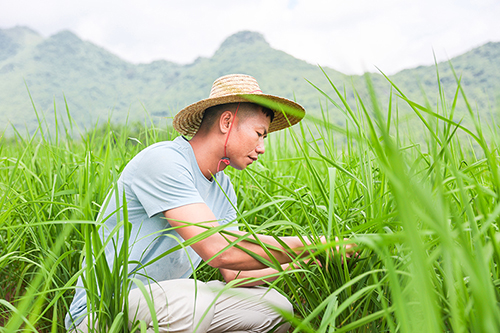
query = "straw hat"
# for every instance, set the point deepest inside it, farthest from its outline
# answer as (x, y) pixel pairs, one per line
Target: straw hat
(236, 88)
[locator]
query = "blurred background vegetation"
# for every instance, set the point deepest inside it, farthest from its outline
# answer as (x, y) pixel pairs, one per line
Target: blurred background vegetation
(99, 86)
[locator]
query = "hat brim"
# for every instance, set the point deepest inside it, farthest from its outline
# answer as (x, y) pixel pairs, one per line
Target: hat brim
(286, 112)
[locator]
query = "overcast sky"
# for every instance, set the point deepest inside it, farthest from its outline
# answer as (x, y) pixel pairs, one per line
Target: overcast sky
(349, 36)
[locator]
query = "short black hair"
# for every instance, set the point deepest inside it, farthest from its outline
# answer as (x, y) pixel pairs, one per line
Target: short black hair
(268, 112)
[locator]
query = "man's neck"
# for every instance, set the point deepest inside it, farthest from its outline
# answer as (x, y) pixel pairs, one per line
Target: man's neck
(208, 150)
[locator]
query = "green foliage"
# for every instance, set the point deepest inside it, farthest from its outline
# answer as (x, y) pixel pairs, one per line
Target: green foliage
(424, 215)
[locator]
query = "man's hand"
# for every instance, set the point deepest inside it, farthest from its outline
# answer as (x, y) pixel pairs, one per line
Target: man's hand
(350, 248)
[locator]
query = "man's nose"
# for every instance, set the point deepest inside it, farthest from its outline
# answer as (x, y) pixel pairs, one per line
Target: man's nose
(260, 149)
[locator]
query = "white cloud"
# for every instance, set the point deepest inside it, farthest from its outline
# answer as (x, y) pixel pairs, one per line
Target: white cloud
(348, 36)
(389, 34)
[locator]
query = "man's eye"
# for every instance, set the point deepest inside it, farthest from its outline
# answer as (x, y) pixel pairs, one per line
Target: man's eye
(261, 135)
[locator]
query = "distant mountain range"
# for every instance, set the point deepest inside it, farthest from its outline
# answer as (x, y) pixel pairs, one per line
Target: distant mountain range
(98, 85)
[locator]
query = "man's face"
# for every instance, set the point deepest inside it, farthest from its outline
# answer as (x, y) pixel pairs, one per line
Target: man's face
(248, 141)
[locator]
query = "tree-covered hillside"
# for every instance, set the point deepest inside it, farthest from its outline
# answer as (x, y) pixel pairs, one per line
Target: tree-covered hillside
(99, 85)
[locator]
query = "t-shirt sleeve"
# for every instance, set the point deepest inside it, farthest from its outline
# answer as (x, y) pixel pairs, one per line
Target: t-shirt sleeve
(164, 181)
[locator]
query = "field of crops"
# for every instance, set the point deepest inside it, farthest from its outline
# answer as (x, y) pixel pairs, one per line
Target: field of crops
(423, 211)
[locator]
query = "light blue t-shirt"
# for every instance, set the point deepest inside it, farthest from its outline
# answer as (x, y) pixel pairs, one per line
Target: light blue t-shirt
(161, 177)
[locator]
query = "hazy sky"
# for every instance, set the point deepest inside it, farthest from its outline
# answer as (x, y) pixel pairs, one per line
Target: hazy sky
(349, 36)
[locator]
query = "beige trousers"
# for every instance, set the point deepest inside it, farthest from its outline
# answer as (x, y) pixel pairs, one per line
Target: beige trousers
(186, 306)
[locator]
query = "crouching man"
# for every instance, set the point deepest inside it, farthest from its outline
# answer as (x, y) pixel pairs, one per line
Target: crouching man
(176, 190)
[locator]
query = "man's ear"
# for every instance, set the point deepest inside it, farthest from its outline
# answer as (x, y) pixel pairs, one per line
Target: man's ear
(225, 120)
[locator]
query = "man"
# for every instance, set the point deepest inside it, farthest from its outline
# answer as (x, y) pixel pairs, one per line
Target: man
(175, 191)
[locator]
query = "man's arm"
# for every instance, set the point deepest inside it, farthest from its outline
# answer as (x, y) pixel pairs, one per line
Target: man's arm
(260, 276)
(232, 258)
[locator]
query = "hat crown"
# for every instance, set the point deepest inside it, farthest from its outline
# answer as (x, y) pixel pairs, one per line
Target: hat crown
(234, 84)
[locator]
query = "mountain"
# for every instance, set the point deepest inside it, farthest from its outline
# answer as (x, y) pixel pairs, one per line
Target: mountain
(478, 70)
(98, 85)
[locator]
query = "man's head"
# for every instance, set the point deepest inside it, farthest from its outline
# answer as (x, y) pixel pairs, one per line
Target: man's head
(238, 88)
(240, 128)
